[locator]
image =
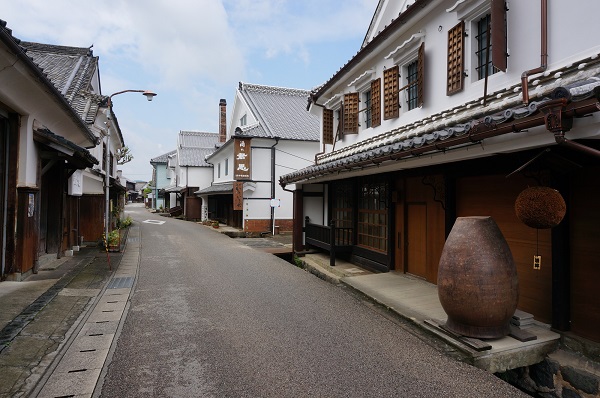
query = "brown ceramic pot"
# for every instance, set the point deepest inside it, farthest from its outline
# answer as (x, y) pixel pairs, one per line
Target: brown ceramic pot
(477, 279)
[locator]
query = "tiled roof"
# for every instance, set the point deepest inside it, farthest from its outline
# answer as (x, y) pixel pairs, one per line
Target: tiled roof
(163, 158)
(194, 146)
(71, 70)
(19, 48)
(462, 125)
(217, 188)
(194, 156)
(281, 112)
(197, 139)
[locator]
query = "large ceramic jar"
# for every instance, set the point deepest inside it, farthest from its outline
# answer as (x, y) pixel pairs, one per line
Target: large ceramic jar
(477, 279)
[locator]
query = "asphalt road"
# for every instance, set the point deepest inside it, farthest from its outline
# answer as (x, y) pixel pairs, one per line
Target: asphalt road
(211, 317)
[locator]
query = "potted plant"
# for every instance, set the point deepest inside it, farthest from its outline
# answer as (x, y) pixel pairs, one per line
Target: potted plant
(215, 224)
(113, 241)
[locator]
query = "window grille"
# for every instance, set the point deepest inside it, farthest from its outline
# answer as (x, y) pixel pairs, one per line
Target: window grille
(412, 90)
(368, 111)
(484, 49)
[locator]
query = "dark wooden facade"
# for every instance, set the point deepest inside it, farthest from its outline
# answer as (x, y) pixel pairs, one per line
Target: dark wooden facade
(425, 202)
(91, 217)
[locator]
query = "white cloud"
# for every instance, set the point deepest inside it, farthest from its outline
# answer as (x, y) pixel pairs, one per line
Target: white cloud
(191, 52)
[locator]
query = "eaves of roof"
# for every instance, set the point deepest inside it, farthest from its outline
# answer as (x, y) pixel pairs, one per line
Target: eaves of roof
(466, 124)
(411, 12)
(216, 189)
(78, 156)
(13, 44)
(162, 158)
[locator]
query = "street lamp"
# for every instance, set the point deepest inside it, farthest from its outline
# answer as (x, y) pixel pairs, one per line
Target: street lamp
(149, 95)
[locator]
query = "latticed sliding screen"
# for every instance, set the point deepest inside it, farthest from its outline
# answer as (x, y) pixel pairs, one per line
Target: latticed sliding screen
(456, 55)
(376, 102)
(373, 215)
(328, 126)
(343, 212)
(351, 113)
(390, 93)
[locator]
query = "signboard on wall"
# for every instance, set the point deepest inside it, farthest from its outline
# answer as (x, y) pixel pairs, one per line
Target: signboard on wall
(76, 183)
(242, 154)
(238, 195)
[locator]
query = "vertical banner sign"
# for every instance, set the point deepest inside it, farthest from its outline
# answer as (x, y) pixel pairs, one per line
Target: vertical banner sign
(238, 197)
(242, 158)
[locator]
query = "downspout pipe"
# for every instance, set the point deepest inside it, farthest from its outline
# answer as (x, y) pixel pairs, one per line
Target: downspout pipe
(273, 182)
(544, 53)
(313, 101)
(561, 140)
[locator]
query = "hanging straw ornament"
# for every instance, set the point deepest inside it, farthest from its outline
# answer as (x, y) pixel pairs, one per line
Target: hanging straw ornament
(540, 207)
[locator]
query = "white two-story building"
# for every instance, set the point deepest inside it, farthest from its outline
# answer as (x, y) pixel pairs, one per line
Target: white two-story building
(270, 134)
(452, 108)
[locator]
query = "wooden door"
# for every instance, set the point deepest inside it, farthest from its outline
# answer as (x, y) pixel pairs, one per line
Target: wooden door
(416, 239)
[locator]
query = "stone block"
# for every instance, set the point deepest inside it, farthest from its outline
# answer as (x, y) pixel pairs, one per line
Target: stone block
(543, 373)
(581, 380)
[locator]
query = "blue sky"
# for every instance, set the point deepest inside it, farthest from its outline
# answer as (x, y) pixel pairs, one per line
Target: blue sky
(193, 53)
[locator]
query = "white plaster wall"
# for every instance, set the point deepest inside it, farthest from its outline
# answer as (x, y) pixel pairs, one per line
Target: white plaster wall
(572, 35)
(240, 108)
(289, 156)
(200, 177)
(28, 154)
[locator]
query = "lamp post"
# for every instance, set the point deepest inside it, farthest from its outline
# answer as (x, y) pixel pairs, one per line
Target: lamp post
(149, 95)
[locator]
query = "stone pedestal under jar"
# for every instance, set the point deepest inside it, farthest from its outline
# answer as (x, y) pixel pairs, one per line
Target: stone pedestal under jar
(477, 279)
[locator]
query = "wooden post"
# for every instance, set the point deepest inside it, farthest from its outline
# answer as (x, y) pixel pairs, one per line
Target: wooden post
(332, 243)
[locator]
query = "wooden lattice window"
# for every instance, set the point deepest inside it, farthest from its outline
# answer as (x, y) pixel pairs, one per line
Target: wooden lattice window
(343, 212)
(372, 226)
(328, 126)
(456, 58)
(350, 113)
(391, 106)
(376, 102)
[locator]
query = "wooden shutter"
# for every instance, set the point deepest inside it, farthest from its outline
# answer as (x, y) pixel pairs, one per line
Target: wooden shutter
(391, 83)
(498, 34)
(456, 57)
(376, 102)
(328, 126)
(351, 113)
(421, 75)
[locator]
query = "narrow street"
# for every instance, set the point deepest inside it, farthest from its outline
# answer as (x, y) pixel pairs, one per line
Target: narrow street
(211, 317)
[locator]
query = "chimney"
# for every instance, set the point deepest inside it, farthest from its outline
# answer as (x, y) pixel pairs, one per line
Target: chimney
(222, 120)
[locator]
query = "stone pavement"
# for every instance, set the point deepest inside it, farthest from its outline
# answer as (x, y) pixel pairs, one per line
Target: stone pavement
(41, 315)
